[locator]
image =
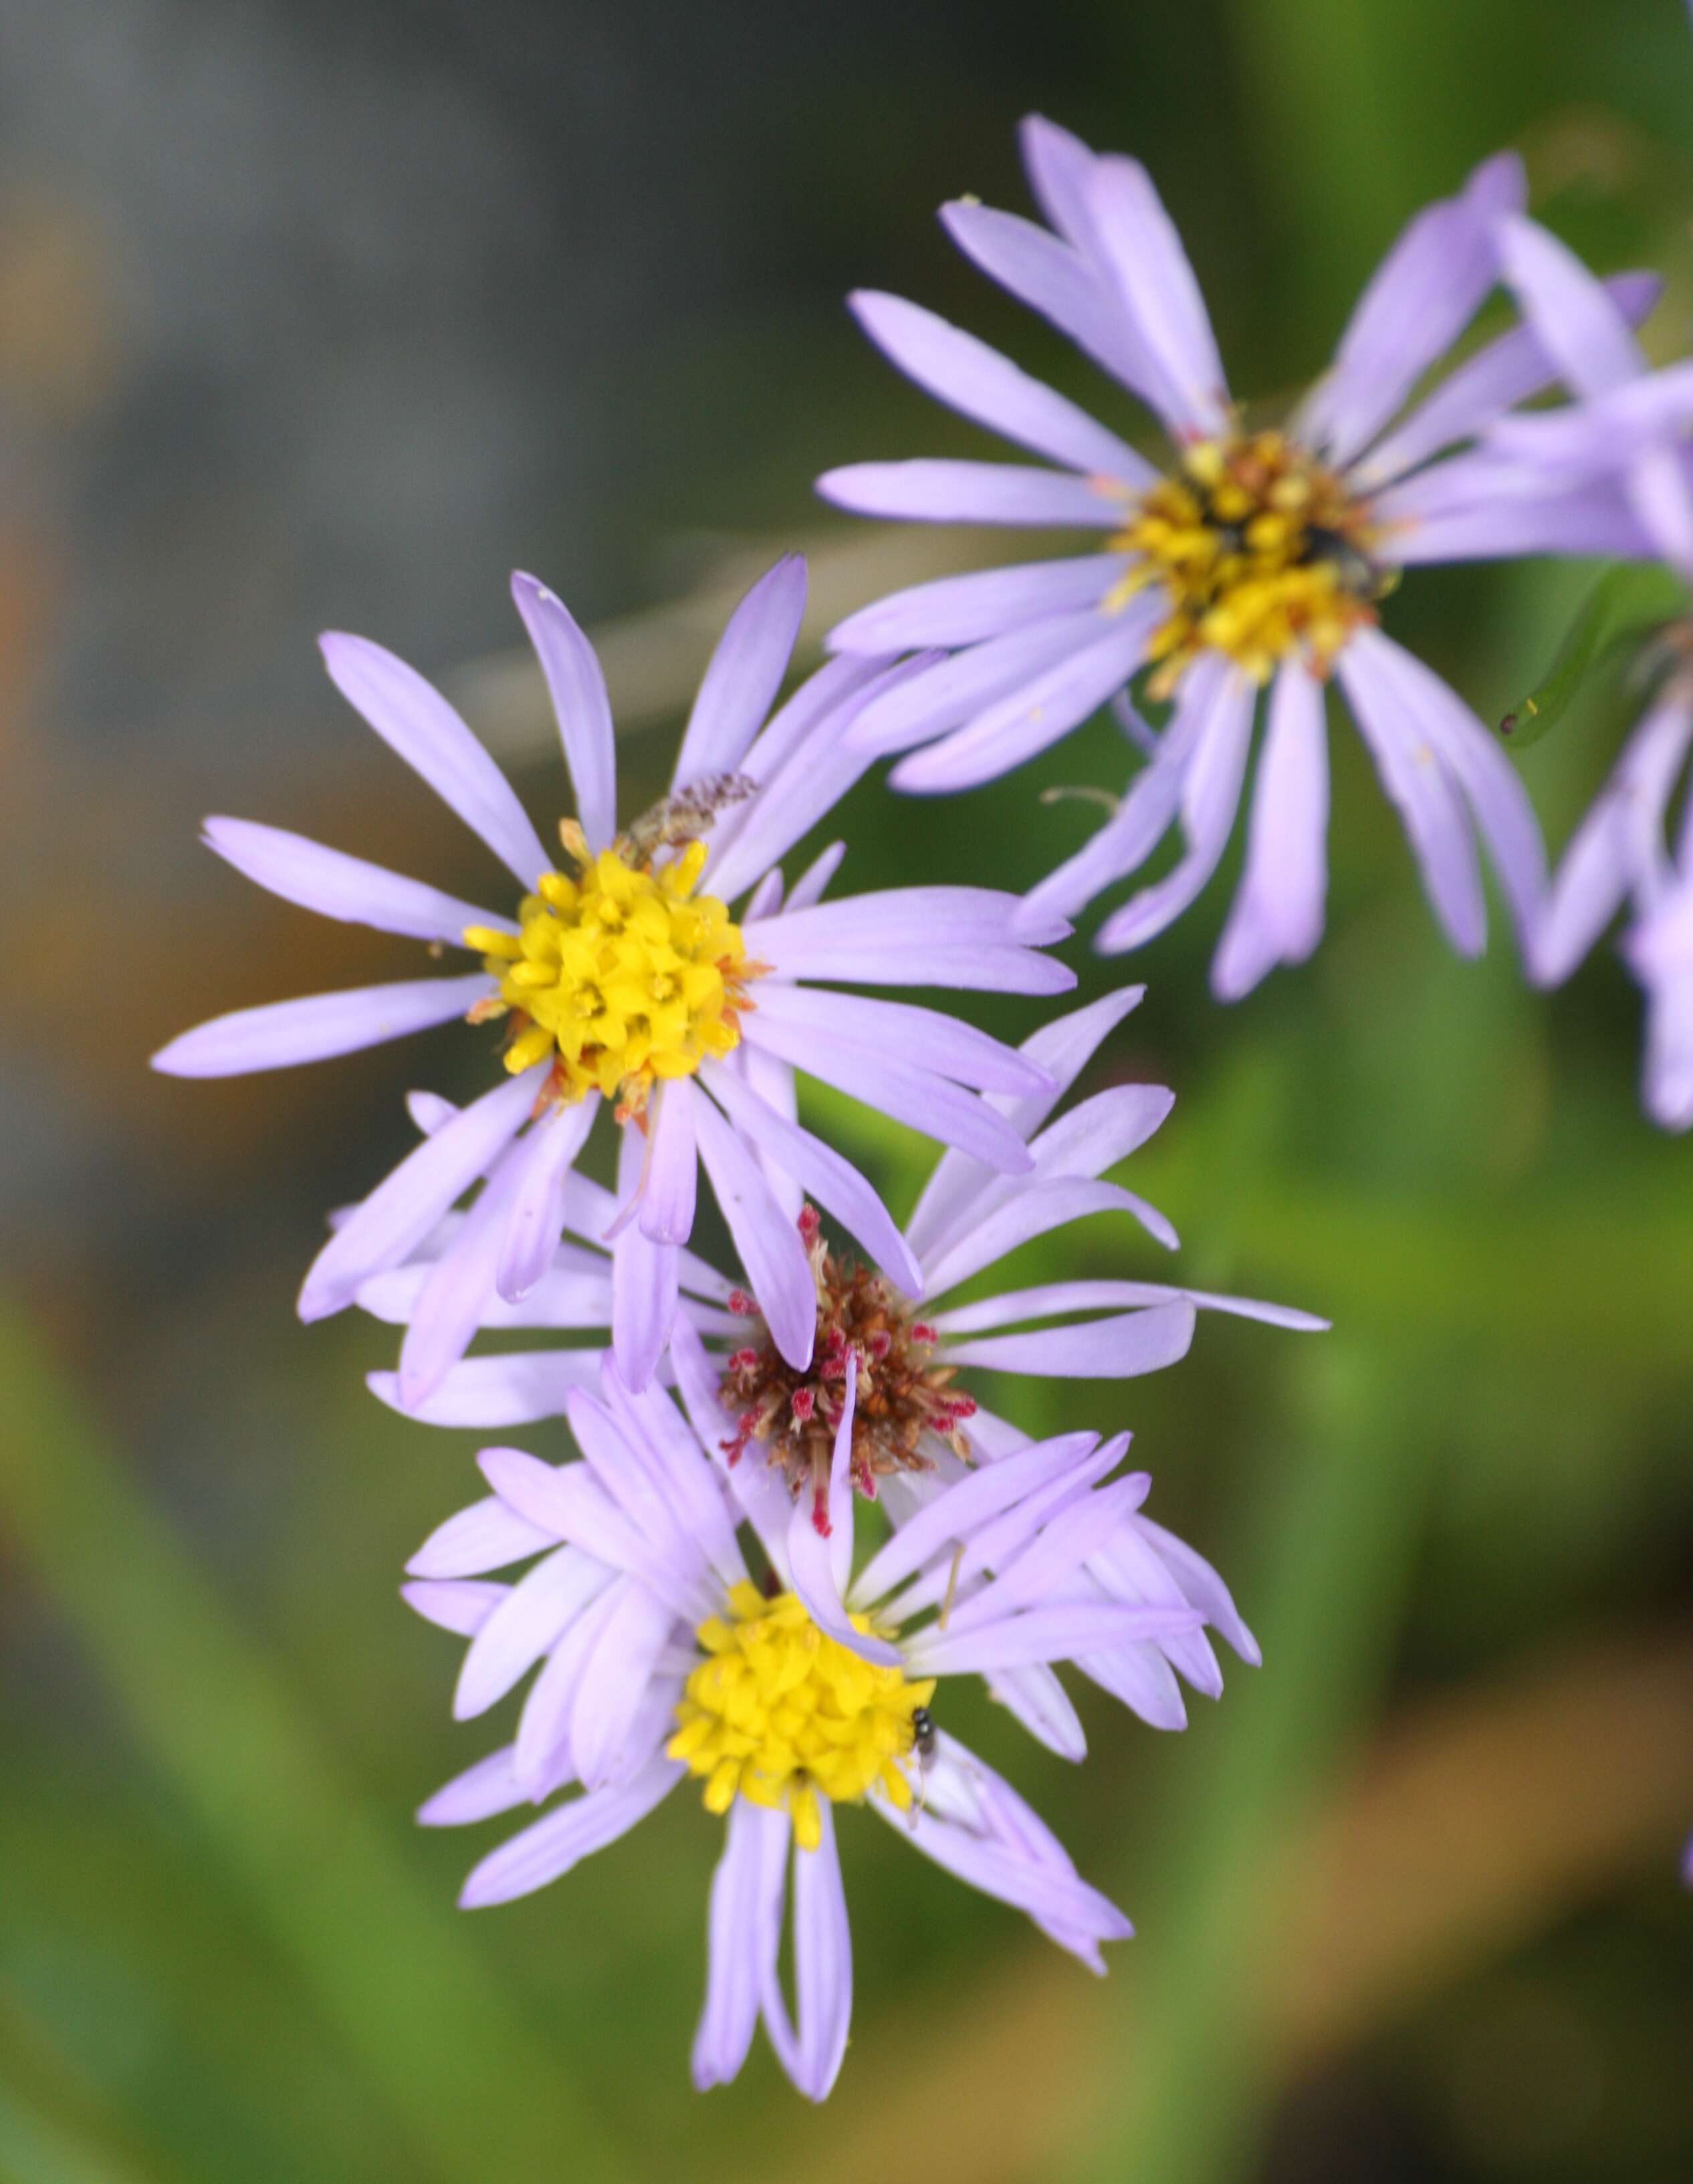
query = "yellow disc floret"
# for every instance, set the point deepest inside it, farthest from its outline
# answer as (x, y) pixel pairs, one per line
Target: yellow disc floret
(1262, 552)
(782, 1713)
(623, 974)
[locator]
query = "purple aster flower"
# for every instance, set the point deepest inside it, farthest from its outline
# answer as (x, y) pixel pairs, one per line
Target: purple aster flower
(914, 1362)
(1258, 558)
(661, 1657)
(625, 981)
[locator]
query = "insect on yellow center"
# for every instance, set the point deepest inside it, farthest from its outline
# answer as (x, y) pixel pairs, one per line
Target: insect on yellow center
(623, 975)
(1261, 551)
(780, 1714)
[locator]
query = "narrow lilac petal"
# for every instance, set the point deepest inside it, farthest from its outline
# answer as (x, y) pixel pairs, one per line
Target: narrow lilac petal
(1045, 1567)
(979, 382)
(460, 1604)
(514, 1390)
(768, 1243)
(955, 690)
(1024, 1882)
(758, 1490)
(820, 1564)
(608, 1702)
(826, 694)
(487, 1535)
(1139, 1678)
(972, 610)
(336, 885)
(542, 1758)
(1509, 370)
(1044, 1633)
(1060, 168)
(1435, 823)
(577, 686)
(403, 1208)
(745, 1934)
(569, 1500)
(744, 673)
(1033, 1693)
(820, 1172)
(284, 1032)
(904, 1089)
(645, 1278)
(928, 490)
(808, 889)
(1659, 493)
(415, 721)
(1202, 1586)
(428, 1111)
(1595, 519)
(651, 1423)
(822, 1962)
(1667, 1070)
(549, 1849)
(1277, 914)
(1032, 719)
(952, 1049)
(536, 1220)
(622, 1458)
(1144, 1341)
(1580, 324)
(1047, 1298)
(1144, 255)
(667, 1207)
(961, 917)
(478, 1794)
(534, 1615)
(454, 1298)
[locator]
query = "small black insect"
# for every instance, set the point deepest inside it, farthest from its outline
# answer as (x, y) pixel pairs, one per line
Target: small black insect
(1359, 574)
(923, 1732)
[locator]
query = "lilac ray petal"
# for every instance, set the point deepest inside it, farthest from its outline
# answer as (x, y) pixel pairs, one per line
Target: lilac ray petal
(1435, 823)
(481, 1792)
(312, 1029)
(415, 721)
(1659, 492)
(336, 885)
(826, 695)
(1139, 1678)
(1036, 1209)
(462, 1604)
(1033, 1694)
(1032, 719)
(1420, 300)
(966, 1791)
(1509, 370)
(808, 889)
(487, 1535)
(1592, 519)
(516, 1388)
(403, 1208)
(772, 1081)
(651, 1421)
(603, 1721)
(766, 899)
(1045, 1299)
(428, 1111)
(904, 1089)
(1581, 326)
(1133, 1342)
(454, 1298)
(646, 1277)
(1667, 1068)
(984, 606)
(758, 1490)
(746, 671)
(535, 1222)
(932, 490)
(1042, 1570)
(1060, 168)
(566, 1501)
(962, 916)
(1053, 279)
(1277, 914)
(745, 1935)
(534, 1616)
(954, 1515)
(1211, 796)
(819, 1171)
(1026, 1884)
(946, 695)
(1055, 1633)
(766, 1240)
(1202, 1586)
(549, 1849)
(823, 1963)
(667, 1209)
(1099, 1132)
(819, 1566)
(976, 381)
(577, 686)
(952, 1049)
(542, 1755)
(1143, 254)
(1129, 1568)
(624, 1462)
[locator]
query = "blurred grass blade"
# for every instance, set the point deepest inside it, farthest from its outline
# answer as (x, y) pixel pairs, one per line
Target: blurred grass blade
(1628, 604)
(391, 1968)
(41, 2149)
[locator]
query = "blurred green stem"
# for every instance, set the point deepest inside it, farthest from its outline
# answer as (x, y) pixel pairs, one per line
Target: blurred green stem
(398, 1978)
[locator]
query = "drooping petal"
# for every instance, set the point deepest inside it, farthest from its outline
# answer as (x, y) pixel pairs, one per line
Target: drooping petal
(532, 1617)
(1581, 326)
(604, 1742)
(746, 671)
(766, 1240)
(535, 1222)
(645, 1280)
(487, 1535)
(1118, 1348)
(453, 1300)
(1143, 254)
(952, 1049)
(745, 1935)
(672, 1167)
(460, 1604)
(516, 1389)
(1043, 1634)
(1277, 914)
(283, 1032)
(577, 686)
(820, 1555)
(549, 1849)
(822, 1969)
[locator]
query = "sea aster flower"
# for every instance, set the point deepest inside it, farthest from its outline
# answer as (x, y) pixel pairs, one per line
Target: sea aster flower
(625, 980)
(1259, 557)
(662, 1658)
(1631, 429)
(914, 1362)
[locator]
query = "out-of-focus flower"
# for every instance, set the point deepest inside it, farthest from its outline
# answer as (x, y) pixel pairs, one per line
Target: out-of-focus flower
(1260, 556)
(662, 1658)
(626, 981)
(914, 1362)
(1631, 432)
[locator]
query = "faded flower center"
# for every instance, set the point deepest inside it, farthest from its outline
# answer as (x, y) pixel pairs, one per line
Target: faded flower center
(901, 1392)
(1261, 551)
(780, 1713)
(623, 974)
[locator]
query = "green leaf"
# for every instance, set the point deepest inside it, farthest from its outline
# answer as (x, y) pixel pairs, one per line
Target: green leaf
(1628, 604)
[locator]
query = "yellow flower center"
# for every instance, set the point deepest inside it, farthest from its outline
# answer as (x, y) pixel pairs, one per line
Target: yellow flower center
(1261, 551)
(622, 975)
(780, 1713)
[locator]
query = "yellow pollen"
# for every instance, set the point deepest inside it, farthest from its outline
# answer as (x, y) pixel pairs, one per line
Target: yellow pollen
(781, 1714)
(1261, 551)
(622, 975)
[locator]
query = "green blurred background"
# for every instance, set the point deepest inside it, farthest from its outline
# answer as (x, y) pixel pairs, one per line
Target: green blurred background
(314, 314)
